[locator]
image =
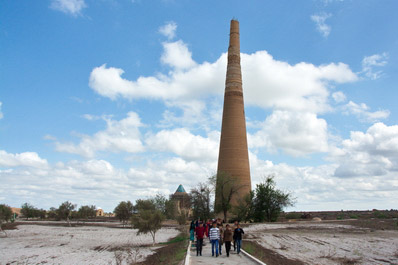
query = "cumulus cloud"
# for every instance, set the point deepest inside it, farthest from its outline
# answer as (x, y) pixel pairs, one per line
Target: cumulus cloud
(363, 113)
(177, 55)
(26, 159)
(302, 87)
(339, 97)
(317, 187)
(369, 63)
(369, 154)
(183, 143)
(168, 30)
(123, 135)
(268, 83)
(95, 181)
(72, 7)
(295, 133)
(321, 26)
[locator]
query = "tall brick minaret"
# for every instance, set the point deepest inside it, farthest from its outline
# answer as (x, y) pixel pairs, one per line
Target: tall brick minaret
(233, 159)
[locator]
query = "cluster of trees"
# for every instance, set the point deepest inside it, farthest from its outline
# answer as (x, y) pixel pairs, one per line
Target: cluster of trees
(146, 215)
(264, 203)
(29, 211)
(65, 211)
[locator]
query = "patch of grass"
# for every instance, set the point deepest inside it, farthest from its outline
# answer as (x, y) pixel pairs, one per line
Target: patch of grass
(249, 249)
(176, 239)
(172, 253)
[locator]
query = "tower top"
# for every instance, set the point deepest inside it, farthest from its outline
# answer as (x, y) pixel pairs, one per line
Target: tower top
(234, 34)
(180, 189)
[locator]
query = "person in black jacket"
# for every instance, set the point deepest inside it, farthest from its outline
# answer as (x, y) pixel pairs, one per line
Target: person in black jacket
(238, 237)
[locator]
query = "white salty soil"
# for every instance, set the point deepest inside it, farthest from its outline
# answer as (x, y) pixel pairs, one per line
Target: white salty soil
(37, 244)
(329, 243)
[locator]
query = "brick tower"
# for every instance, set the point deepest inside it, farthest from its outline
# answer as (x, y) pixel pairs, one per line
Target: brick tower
(233, 159)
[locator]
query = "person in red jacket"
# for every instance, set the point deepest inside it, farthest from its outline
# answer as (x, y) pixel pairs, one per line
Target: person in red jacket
(200, 233)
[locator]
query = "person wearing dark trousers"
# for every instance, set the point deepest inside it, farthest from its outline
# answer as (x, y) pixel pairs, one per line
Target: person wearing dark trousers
(238, 235)
(220, 241)
(228, 234)
(200, 233)
(214, 235)
(235, 226)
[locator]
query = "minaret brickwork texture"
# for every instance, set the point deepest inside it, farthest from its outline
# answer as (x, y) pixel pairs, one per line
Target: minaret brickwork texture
(233, 159)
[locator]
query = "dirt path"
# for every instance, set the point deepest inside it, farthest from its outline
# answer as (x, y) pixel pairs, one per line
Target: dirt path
(206, 258)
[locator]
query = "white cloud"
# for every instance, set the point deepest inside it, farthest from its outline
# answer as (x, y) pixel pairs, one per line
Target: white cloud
(339, 97)
(321, 26)
(317, 188)
(371, 62)
(73, 7)
(183, 143)
(177, 55)
(363, 113)
(90, 117)
(123, 135)
(295, 133)
(268, 83)
(169, 30)
(369, 154)
(26, 159)
(301, 87)
(1, 113)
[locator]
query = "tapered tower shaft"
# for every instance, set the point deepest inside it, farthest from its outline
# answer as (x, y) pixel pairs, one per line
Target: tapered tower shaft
(233, 159)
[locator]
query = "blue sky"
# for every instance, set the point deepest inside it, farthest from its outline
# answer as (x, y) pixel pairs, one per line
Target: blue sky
(103, 101)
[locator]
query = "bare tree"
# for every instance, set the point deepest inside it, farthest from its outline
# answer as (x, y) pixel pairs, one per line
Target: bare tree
(226, 188)
(201, 201)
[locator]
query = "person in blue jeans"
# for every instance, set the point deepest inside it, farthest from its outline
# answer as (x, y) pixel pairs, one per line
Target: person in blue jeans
(214, 235)
(238, 237)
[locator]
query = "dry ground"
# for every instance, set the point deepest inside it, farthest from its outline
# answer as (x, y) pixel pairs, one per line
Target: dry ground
(47, 244)
(338, 242)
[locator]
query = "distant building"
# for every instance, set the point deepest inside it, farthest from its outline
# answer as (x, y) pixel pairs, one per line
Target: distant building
(100, 212)
(182, 201)
(16, 211)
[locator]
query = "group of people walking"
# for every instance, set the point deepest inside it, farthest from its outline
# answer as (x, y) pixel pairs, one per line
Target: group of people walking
(218, 236)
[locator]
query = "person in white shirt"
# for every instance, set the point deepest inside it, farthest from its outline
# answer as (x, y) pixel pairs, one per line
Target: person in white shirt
(214, 235)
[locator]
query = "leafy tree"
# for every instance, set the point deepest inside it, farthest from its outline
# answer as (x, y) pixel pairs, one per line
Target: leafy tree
(226, 188)
(52, 213)
(64, 211)
(201, 201)
(170, 209)
(124, 211)
(28, 210)
(87, 211)
(149, 219)
(39, 213)
(160, 202)
(243, 211)
(147, 204)
(269, 201)
(5, 213)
